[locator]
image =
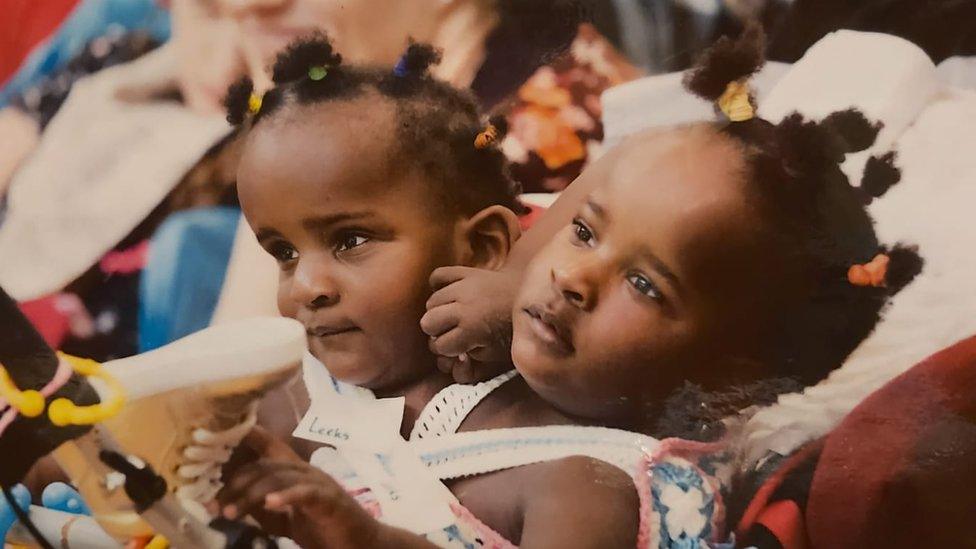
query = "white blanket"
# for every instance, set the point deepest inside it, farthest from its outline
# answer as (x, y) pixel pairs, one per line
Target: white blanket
(102, 165)
(932, 127)
(933, 130)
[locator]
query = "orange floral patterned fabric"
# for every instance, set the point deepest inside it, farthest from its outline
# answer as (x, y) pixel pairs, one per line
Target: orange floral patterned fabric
(554, 120)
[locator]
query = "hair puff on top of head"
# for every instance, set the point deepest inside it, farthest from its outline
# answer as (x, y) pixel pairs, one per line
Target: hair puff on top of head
(417, 60)
(880, 173)
(296, 60)
(237, 100)
(727, 61)
(855, 131)
(500, 122)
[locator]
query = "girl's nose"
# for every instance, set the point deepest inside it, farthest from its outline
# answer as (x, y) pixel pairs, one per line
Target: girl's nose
(312, 286)
(577, 282)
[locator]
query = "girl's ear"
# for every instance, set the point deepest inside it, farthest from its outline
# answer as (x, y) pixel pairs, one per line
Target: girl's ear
(490, 235)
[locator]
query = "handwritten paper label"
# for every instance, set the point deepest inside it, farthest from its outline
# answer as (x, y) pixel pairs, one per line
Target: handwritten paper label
(347, 420)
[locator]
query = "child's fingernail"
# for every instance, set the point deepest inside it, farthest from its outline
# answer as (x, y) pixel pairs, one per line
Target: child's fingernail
(463, 357)
(230, 512)
(272, 501)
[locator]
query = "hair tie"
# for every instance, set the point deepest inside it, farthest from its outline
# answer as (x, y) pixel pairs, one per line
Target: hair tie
(735, 104)
(317, 72)
(254, 103)
(486, 137)
(872, 273)
(400, 70)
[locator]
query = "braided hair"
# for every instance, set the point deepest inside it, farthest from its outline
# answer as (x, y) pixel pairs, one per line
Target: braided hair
(437, 124)
(816, 220)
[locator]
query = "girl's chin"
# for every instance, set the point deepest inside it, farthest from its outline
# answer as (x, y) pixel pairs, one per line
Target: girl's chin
(535, 366)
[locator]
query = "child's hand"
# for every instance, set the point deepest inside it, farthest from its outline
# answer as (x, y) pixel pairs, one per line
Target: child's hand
(291, 498)
(469, 319)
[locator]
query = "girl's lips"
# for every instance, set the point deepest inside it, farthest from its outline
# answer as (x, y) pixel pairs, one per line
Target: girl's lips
(550, 331)
(327, 331)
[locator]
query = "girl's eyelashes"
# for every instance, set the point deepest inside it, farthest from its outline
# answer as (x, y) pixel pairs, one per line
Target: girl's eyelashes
(644, 286)
(282, 252)
(349, 240)
(582, 232)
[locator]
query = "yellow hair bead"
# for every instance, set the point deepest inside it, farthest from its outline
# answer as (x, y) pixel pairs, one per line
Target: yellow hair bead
(157, 542)
(735, 104)
(254, 103)
(487, 137)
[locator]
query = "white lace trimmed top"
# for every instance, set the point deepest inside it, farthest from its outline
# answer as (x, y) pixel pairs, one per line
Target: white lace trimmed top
(680, 483)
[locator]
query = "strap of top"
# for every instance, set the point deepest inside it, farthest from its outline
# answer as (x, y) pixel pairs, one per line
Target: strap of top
(444, 413)
(478, 452)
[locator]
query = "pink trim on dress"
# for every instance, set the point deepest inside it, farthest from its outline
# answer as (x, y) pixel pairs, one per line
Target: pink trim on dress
(489, 537)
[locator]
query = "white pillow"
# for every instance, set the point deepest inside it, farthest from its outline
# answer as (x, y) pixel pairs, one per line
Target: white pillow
(933, 130)
(660, 101)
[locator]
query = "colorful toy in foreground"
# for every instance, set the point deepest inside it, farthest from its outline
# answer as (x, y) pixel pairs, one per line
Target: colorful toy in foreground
(179, 410)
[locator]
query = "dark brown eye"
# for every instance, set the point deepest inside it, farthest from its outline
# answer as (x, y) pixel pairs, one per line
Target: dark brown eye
(644, 285)
(351, 241)
(581, 231)
(283, 253)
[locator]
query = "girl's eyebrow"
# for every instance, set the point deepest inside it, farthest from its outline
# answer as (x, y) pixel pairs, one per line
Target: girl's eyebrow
(597, 209)
(661, 268)
(326, 221)
(265, 233)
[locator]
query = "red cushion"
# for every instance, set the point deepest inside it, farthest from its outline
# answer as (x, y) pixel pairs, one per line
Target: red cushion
(529, 218)
(900, 470)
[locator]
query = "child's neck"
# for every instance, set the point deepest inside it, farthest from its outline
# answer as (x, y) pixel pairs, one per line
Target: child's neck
(515, 404)
(416, 395)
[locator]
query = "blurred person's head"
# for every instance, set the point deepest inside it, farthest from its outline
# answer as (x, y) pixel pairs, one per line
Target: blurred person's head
(360, 182)
(207, 51)
(490, 45)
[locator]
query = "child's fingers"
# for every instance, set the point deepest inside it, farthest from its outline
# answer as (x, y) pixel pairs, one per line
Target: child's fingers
(269, 446)
(436, 322)
(465, 371)
(453, 343)
(446, 364)
(443, 296)
(238, 483)
(449, 275)
(253, 495)
(323, 498)
(473, 371)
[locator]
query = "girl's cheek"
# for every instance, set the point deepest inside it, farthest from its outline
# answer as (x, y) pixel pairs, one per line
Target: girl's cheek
(286, 307)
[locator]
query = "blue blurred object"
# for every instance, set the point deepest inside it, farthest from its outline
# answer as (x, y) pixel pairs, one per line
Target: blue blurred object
(89, 20)
(62, 497)
(7, 514)
(184, 274)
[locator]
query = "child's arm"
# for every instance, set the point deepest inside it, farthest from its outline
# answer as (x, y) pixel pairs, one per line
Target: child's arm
(470, 312)
(581, 502)
(292, 498)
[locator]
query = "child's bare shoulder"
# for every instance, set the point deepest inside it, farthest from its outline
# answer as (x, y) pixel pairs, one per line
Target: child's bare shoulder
(579, 501)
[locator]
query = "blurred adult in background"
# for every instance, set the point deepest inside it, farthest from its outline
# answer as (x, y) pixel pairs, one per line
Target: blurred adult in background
(92, 256)
(490, 46)
(113, 117)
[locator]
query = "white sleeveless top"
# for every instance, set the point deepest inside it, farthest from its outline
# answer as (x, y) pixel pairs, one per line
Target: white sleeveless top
(680, 483)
